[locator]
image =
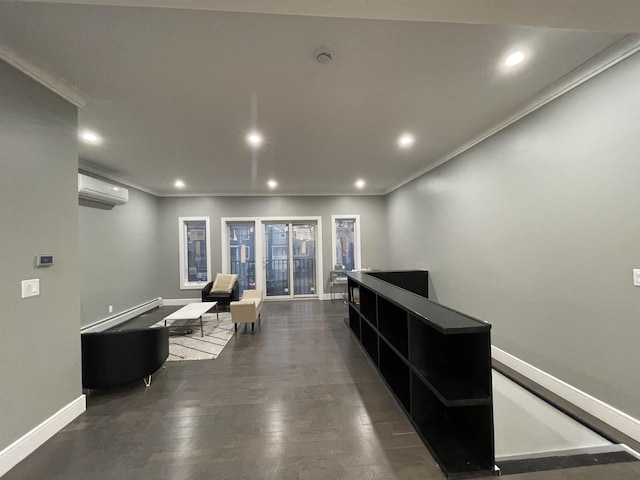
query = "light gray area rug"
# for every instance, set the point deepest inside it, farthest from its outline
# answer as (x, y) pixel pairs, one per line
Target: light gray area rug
(195, 347)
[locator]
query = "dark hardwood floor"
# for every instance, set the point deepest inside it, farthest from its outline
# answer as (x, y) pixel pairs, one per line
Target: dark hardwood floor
(296, 400)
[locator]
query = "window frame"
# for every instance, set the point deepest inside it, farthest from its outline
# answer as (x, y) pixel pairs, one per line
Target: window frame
(185, 284)
(357, 239)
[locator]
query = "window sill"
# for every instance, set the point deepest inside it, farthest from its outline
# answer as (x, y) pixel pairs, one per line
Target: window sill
(193, 286)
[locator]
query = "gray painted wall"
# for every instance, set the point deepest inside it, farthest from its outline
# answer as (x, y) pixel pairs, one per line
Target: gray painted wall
(372, 212)
(119, 255)
(39, 336)
(536, 230)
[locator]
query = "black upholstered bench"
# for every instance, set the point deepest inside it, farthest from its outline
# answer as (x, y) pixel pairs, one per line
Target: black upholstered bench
(116, 357)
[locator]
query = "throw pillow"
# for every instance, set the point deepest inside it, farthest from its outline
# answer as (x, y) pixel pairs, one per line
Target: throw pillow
(224, 283)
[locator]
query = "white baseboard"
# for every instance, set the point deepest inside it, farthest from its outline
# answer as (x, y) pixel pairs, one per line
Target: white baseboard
(337, 297)
(30, 441)
(118, 318)
(174, 302)
(184, 301)
(610, 415)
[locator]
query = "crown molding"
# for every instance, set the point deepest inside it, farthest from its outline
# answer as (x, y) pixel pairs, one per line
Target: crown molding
(271, 194)
(49, 80)
(619, 16)
(591, 68)
(87, 167)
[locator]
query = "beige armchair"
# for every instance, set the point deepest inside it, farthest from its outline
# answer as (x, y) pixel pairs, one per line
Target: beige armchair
(247, 309)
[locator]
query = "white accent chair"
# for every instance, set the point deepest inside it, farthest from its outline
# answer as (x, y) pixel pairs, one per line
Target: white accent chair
(247, 309)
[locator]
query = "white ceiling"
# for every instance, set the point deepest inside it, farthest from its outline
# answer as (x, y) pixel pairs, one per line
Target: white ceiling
(174, 91)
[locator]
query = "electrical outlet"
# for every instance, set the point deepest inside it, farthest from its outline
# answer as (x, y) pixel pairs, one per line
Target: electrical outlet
(636, 277)
(110, 308)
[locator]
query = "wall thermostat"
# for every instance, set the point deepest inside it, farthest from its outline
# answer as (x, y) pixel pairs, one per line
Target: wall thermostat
(44, 260)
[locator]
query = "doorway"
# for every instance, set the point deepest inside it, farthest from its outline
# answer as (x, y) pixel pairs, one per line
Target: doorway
(289, 259)
(242, 251)
(280, 255)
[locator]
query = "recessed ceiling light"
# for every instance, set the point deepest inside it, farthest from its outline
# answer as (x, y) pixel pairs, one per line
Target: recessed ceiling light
(272, 184)
(405, 140)
(254, 139)
(90, 137)
(360, 183)
(514, 59)
(179, 184)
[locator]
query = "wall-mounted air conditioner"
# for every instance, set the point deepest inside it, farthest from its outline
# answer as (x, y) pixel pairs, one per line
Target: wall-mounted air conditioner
(96, 190)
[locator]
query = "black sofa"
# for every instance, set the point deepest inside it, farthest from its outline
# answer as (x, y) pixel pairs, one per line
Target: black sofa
(116, 357)
(224, 299)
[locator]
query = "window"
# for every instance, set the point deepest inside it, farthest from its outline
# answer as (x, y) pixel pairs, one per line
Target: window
(195, 252)
(346, 242)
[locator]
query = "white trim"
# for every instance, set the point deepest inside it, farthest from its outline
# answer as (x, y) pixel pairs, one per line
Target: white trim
(319, 260)
(30, 441)
(593, 67)
(182, 231)
(57, 85)
(260, 261)
(358, 243)
(286, 219)
(171, 302)
(121, 317)
(630, 451)
(293, 299)
(346, 193)
(610, 415)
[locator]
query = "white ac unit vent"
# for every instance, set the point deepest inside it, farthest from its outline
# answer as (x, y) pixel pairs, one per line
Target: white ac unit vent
(98, 191)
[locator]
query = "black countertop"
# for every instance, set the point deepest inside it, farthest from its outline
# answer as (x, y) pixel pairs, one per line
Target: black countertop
(444, 319)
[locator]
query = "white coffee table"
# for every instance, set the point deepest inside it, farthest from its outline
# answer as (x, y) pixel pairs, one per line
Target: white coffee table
(193, 311)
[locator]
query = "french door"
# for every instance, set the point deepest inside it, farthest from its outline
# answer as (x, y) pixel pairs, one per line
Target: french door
(280, 255)
(289, 259)
(242, 253)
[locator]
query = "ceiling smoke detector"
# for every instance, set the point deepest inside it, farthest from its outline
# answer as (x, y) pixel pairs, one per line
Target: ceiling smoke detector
(324, 54)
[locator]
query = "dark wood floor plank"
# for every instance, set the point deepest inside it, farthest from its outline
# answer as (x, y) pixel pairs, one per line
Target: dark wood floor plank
(296, 400)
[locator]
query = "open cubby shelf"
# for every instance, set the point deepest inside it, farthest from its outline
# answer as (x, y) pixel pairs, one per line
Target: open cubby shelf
(396, 373)
(354, 321)
(392, 325)
(436, 362)
(446, 432)
(369, 340)
(368, 305)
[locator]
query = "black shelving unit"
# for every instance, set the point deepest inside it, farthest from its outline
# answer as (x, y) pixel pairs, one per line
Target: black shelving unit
(369, 340)
(436, 362)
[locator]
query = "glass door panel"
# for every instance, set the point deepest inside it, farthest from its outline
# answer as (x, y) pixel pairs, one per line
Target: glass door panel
(276, 259)
(242, 260)
(304, 259)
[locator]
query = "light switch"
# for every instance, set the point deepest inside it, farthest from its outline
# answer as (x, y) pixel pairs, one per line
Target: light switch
(30, 288)
(636, 277)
